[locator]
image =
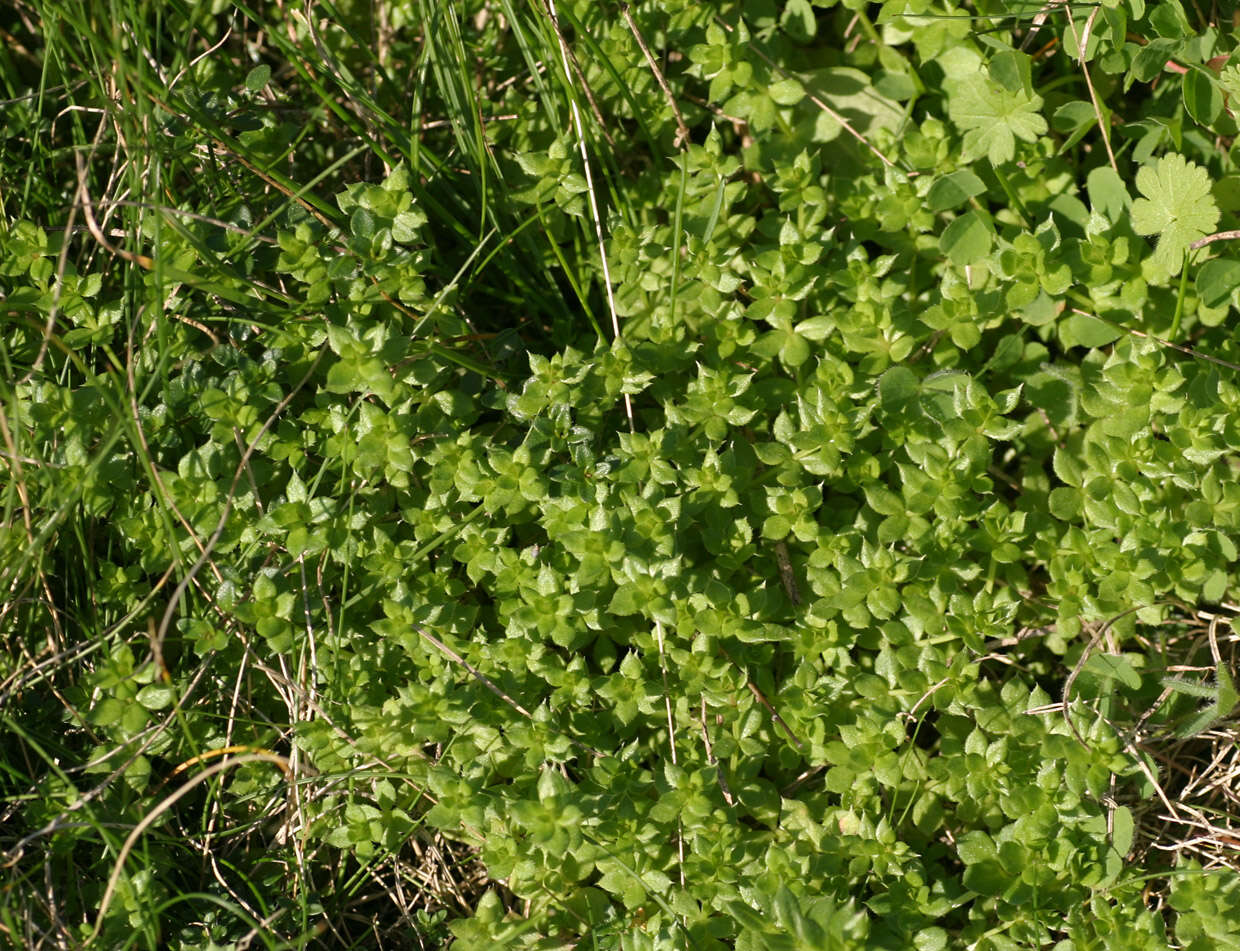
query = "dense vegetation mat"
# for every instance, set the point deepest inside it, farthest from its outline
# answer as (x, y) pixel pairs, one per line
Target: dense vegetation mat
(569, 474)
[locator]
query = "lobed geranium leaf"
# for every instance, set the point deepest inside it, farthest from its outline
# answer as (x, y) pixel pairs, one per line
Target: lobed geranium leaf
(1176, 205)
(993, 118)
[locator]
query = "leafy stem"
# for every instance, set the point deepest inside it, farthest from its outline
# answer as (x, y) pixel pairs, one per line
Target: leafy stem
(1221, 695)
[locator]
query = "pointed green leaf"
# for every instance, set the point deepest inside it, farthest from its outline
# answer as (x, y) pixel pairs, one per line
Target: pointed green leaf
(1122, 828)
(953, 190)
(967, 239)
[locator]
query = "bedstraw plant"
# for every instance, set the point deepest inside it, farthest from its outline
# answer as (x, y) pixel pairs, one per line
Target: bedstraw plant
(643, 476)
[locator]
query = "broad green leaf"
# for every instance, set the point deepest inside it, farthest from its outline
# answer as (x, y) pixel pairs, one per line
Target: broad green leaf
(1202, 97)
(898, 86)
(1217, 281)
(1107, 194)
(1085, 330)
(953, 190)
(967, 239)
(849, 92)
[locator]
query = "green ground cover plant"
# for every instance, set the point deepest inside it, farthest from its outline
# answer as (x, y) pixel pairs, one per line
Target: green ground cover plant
(674, 475)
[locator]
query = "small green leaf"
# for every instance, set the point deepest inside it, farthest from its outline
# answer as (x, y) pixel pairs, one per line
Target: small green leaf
(1217, 280)
(258, 77)
(787, 92)
(106, 712)
(1214, 587)
(1107, 194)
(1064, 503)
(817, 328)
(627, 600)
(897, 386)
(1202, 97)
(1013, 71)
(967, 239)
(1068, 467)
(952, 191)
(776, 527)
(1085, 330)
(787, 910)
(406, 224)
(1152, 58)
(974, 847)
(1073, 119)
(795, 350)
(930, 939)
(362, 224)
(1122, 829)
(156, 696)
(1114, 667)
(799, 21)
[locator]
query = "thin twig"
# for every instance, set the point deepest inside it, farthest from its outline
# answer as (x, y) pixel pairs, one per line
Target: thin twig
(96, 232)
(1036, 24)
(710, 758)
(1166, 343)
(62, 260)
(589, 94)
(139, 259)
(786, 574)
(813, 97)
(1080, 665)
(753, 689)
(682, 130)
(1082, 40)
(1211, 238)
(590, 193)
(170, 211)
(667, 698)
(158, 811)
(473, 671)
